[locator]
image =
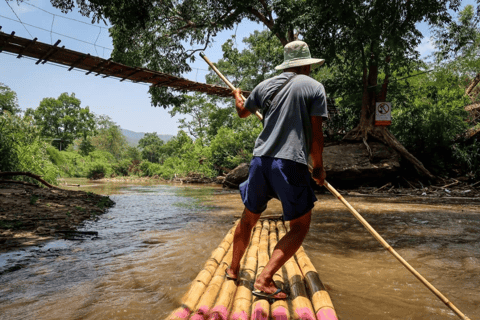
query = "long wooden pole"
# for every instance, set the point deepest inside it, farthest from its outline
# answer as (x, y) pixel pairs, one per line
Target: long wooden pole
(228, 83)
(367, 225)
(394, 253)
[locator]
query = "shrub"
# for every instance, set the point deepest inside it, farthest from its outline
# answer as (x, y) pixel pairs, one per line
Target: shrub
(98, 170)
(122, 167)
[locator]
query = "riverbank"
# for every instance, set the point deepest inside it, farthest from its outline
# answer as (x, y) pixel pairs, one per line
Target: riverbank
(30, 215)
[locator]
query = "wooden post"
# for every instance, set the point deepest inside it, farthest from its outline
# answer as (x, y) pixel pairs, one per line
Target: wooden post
(198, 286)
(261, 307)
(279, 309)
(301, 305)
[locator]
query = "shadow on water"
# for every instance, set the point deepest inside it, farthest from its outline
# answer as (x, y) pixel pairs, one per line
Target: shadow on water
(154, 242)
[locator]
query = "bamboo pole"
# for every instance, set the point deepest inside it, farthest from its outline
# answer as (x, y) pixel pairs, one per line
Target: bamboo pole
(301, 306)
(198, 286)
(224, 302)
(322, 304)
(204, 306)
(243, 297)
(280, 307)
(228, 83)
(394, 253)
(261, 307)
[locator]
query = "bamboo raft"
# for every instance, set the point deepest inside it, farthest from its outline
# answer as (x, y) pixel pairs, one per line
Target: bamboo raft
(213, 297)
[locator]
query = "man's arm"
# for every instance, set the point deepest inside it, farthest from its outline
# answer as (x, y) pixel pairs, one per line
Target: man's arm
(316, 151)
(239, 104)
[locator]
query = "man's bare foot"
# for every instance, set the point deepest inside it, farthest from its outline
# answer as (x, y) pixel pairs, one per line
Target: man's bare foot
(269, 288)
(230, 274)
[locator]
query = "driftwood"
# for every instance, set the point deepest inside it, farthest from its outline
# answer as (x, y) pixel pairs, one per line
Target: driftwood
(19, 182)
(28, 174)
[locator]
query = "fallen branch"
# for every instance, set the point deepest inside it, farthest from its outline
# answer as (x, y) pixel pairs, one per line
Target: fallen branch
(473, 185)
(388, 184)
(450, 184)
(28, 174)
(411, 185)
(19, 182)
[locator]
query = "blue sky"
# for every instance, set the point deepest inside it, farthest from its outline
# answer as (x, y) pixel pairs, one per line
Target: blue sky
(128, 104)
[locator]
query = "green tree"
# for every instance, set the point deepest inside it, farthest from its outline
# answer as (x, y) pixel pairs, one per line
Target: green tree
(63, 120)
(8, 100)
(109, 137)
(199, 108)
(151, 146)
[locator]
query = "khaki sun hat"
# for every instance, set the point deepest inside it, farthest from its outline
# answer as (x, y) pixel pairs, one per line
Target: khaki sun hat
(296, 54)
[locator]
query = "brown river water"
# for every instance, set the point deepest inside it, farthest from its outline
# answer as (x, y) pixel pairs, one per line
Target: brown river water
(155, 240)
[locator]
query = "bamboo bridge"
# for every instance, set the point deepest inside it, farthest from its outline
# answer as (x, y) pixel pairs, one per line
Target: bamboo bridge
(211, 296)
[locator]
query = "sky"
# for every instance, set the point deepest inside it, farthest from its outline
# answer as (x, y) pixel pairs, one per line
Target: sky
(127, 103)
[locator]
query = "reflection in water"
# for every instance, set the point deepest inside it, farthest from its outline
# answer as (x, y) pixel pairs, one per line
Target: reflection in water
(155, 240)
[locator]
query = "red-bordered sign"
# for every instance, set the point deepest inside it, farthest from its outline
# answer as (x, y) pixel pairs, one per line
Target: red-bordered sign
(383, 114)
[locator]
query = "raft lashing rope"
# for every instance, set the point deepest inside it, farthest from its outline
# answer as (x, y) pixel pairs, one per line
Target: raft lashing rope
(211, 296)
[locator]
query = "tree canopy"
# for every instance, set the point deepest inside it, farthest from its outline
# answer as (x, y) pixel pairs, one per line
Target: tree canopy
(8, 100)
(63, 119)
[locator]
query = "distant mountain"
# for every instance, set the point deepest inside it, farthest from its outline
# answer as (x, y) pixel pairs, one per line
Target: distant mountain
(133, 137)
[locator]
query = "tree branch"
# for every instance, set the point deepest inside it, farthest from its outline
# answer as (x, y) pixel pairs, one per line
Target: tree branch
(269, 23)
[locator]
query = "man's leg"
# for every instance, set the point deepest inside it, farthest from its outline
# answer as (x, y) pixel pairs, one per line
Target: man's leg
(241, 239)
(284, 250)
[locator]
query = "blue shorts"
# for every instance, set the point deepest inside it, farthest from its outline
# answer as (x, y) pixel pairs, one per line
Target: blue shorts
(285, 180)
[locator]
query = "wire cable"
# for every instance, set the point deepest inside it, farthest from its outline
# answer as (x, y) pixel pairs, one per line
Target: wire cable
(60, 34)
(88, 24)
(18, 18)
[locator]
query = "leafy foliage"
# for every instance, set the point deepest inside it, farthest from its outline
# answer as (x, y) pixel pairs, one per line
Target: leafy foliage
(151, 145)
(22, 149)
(63, 120)
(8, 100)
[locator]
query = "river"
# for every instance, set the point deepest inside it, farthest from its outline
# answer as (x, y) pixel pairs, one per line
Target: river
(156, 238)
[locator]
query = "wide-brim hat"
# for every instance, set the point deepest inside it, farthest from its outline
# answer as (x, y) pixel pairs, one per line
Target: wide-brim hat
(296, 54)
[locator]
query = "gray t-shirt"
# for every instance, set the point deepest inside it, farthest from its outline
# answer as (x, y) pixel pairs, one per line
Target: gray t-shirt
(287, 132)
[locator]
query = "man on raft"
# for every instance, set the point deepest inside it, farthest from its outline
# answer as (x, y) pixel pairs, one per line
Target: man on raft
(293, 107)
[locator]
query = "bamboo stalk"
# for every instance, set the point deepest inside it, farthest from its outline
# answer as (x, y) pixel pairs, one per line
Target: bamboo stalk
(301, 306)
(322, 304)
(198, 286)
(225, 298)
(395, 254)
(207, 300)
(280, 307)
(243, 297)
(261, 307)
(228, 83)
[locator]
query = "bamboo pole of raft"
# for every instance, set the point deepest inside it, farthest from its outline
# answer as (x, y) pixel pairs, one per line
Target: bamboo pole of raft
(228, 83)
(207, 300)
(322, 304)
(261, 307)
(243, 297)
(198, 286)
(279, 309)
(204, 306)
(224, 302)
(394, 253)
(301, 306)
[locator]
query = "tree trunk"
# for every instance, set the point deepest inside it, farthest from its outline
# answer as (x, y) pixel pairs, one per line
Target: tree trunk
(367, 127)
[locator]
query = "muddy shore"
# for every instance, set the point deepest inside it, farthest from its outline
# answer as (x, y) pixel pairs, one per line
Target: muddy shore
(30, 215)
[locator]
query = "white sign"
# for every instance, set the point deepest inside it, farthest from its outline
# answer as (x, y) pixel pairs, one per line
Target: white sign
(383, 114)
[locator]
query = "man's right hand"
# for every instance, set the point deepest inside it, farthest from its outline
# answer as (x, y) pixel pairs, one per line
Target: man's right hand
(319, 175)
